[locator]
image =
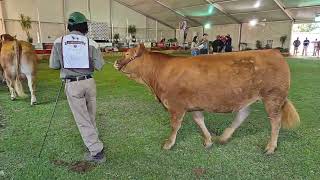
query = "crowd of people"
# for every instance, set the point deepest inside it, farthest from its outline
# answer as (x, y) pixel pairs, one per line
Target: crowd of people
(306, 43)
(220, 44)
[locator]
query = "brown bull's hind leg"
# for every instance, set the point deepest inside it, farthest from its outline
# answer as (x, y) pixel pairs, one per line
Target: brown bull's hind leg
(199, 119)
(176, 120)
(273, 107)
(32, 88)
(240, 117)
(10, 83)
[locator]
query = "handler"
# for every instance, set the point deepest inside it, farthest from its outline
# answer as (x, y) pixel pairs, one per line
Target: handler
(77, 57)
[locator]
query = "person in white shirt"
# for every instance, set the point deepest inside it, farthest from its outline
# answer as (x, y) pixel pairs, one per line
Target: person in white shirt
(315, 47)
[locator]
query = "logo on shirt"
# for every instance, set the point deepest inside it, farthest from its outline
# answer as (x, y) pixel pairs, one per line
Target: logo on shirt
(75, 43)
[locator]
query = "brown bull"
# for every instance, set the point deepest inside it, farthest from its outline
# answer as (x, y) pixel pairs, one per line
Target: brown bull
(222, 83)
(18, 58)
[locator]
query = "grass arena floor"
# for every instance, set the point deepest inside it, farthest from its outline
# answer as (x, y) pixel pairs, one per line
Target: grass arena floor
(133, 126)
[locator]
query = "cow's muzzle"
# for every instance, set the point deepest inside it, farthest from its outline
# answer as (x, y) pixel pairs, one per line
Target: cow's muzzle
(119, 64)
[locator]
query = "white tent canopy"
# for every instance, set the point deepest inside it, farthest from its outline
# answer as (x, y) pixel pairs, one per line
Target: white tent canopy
(218, 12)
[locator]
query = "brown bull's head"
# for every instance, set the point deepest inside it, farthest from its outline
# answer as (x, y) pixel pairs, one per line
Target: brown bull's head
(131, 61)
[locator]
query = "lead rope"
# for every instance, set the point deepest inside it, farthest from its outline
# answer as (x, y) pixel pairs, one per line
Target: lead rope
(50, 122)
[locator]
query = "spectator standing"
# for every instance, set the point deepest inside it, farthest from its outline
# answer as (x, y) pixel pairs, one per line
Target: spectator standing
(228, 43)
(318, 48)
(215, 44)
(305, 47)
(315, 47)
(296, 45)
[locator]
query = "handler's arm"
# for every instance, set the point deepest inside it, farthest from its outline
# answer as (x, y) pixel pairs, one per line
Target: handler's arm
(55, 58)
(97, 59)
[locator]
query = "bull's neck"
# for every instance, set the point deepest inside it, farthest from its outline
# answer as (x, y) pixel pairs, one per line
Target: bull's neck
(152, 65)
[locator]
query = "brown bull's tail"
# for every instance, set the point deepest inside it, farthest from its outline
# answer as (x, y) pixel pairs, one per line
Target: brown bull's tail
(290, 116)
(17, 83)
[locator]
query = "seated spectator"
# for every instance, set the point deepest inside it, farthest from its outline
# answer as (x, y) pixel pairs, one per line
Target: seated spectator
(205, 43)
(194, 46)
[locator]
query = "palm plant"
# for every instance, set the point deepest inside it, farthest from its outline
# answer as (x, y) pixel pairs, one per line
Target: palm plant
(283, 40)
(132, 29)
(25, 22)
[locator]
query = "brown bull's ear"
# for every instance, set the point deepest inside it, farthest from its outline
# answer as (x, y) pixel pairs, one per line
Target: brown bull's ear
(140, 50)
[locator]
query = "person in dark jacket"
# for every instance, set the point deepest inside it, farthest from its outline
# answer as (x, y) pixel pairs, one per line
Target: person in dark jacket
(217, 45)
(228, 43)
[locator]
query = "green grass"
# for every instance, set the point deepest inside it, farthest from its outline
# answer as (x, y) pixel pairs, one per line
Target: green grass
(133, 127)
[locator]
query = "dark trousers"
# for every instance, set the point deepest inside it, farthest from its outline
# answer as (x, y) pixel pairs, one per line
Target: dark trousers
(203, 51)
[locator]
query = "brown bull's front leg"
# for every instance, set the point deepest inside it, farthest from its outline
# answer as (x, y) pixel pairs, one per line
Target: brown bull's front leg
(176, 120)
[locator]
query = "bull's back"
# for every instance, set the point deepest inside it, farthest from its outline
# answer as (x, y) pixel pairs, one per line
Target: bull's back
(225, 82)
(28, 58)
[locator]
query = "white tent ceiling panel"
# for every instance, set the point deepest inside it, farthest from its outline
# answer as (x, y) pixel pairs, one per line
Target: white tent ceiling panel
(174, 4)
(276, 15)
(241, 6)
(150, 8)
(307, 14)
(215, 20)
(200, 11)
(300, 3)
(243, 10)
(134, 2)
(120, 14)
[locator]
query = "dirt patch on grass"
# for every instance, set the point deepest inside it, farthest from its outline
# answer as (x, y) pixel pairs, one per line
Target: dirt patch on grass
(81, 167)
(78, 167)
(198, 172)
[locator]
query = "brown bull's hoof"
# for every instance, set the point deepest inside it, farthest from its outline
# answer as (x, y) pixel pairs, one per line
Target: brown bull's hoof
(270, 149)
(208, 145)
(33, 103)
(168, 145)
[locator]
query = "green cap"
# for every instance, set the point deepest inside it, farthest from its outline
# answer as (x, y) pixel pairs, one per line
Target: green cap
(76, 18)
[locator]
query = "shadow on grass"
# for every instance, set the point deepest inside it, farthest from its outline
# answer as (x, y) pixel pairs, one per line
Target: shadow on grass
(78, 166)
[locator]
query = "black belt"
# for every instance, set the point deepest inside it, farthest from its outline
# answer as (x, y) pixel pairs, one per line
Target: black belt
(80, 78)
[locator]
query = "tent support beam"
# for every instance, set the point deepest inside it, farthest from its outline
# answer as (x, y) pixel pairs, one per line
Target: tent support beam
(281, 6)
(240, 37)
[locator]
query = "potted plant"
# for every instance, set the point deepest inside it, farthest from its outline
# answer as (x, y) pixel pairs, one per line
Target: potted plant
(283, 40)
(25, 22)
(258, 44)
(132, 30)
(116, 38)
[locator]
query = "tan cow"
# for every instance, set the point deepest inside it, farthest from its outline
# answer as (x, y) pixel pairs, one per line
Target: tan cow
(18, 58)
(222, 83)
